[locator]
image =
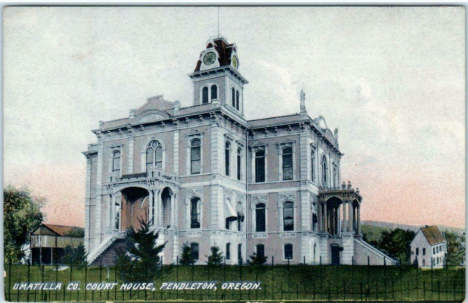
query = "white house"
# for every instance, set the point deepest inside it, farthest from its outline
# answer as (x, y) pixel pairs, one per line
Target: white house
(428, 247)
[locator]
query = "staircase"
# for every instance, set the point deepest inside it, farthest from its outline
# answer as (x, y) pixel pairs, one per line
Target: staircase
(376, 257)
(106, 252)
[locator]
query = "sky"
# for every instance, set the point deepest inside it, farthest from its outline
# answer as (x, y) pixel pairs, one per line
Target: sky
(392, 80)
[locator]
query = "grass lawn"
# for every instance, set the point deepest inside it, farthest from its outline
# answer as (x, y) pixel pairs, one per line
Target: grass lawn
(321, 283)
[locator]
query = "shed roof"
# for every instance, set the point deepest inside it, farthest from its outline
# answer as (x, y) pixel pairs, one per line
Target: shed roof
(433, 234)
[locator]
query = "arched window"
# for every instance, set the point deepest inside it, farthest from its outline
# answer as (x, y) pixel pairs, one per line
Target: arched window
(288, 251)
(237, 100)
(194, 248)
(312, 166)
(195, 156)
(214, 92)
(260, 166)
(260, 250)
(287, 163)
(260, 220)
(149, 159)
(239, 253)
(205, 95)
(239, 163)
(228, 251)
(233, 98)
(195, 211)
(154, 156)
(227, 158)
(116, 162)
(324, 170)
(288, 216)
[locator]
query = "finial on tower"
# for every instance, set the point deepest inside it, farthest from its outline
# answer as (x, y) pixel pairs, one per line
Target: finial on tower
(303, 107)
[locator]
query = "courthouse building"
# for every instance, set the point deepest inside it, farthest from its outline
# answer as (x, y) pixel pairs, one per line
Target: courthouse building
(205, 175)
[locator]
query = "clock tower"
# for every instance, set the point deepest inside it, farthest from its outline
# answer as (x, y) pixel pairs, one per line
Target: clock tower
(217, 79)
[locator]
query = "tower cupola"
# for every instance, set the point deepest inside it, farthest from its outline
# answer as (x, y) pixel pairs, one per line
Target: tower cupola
(216, 78)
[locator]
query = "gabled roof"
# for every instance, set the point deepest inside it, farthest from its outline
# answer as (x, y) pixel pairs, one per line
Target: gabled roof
(433, 235)
(63, 230)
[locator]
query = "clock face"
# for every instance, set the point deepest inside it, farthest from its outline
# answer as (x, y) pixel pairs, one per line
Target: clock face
(235, 63)
(209, 58)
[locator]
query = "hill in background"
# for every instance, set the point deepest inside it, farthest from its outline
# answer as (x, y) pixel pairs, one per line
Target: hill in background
(373, 229)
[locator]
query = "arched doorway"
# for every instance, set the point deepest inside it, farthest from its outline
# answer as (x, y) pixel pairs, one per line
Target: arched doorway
(133, 209)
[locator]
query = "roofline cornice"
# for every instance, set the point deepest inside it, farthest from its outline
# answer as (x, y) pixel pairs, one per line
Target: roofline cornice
(221, 69)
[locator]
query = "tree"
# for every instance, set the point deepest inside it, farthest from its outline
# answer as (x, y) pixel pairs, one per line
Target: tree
(22, 215)
(396, 242)
(186, 258)
(75, 232)
(216, 257)
(455, 248)
(140, 262)
(257, 260)
(75, 256)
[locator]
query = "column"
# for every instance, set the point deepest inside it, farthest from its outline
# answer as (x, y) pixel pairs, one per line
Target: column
(150, 207)
(345, 221)
(172, 210)
(319, 216)
(326, 217)
(130, 154)
(112, 212)
(338, 220)
(87, 203)
(350, 216)
(109, 213)
(358, 222)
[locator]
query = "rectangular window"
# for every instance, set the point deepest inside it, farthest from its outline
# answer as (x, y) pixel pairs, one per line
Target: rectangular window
(228, 160)
(424, 251)
(417, 251)
(260, 218)
(287, 164)
(228, 251)
(195, 213)
(260, 250)
(260, 166)
(288, 252)
(239, 253)
(194, 249)
(116, 162)
(195, 160)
